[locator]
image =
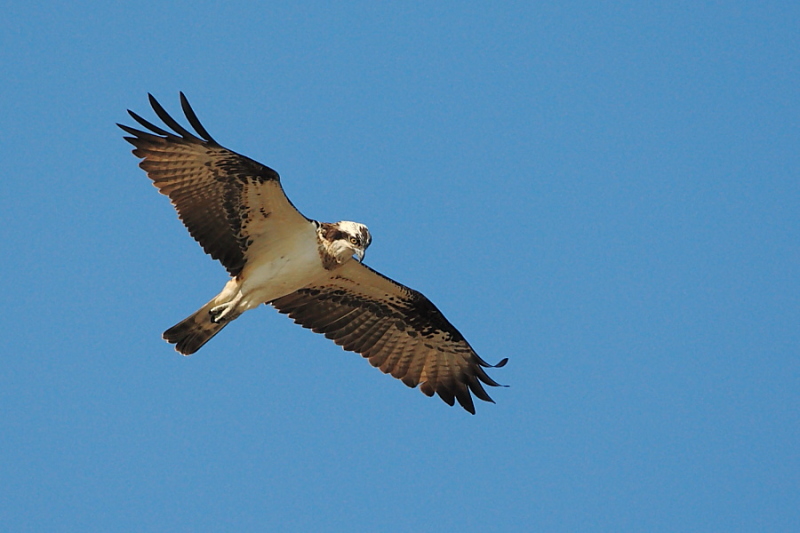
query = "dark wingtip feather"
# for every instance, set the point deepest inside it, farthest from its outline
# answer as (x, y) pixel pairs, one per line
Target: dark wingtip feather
(478, 390)
(168, 120)
(484, 377)
(193, 120)
(128, 129)
(484, 364)
(147, 124)
(446, 396)
(465, 400)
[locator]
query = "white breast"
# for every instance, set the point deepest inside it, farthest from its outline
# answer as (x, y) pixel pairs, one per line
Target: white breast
(281, 265)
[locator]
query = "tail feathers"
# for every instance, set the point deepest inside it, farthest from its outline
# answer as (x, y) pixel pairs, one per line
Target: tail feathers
(191, 334)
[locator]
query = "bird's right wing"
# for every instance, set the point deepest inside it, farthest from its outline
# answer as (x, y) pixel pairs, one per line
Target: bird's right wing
(224, 199)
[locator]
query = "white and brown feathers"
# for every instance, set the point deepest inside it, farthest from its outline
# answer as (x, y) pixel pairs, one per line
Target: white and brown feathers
(213, 189)
(398, 329)
(236, 209)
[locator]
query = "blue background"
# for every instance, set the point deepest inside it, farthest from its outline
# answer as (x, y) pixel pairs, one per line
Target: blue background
(604, 192)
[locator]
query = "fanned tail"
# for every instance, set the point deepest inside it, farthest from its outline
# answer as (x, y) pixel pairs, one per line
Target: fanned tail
(191, 334)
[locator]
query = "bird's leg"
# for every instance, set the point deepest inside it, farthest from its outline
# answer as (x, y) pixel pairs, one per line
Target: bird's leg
(220, 312)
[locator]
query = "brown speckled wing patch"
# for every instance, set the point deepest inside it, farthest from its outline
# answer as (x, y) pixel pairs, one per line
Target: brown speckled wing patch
(396, 328)
(217, 192)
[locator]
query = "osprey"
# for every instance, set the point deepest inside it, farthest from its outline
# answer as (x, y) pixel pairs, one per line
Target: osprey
(236, 209)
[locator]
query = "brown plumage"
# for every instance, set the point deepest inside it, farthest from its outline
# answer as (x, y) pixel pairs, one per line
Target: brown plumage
(236, 209)
(396, 328)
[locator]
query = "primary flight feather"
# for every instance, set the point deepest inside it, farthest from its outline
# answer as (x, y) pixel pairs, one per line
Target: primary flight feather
(236, 209)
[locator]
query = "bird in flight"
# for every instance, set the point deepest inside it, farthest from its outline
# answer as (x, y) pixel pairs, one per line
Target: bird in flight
(235, 208)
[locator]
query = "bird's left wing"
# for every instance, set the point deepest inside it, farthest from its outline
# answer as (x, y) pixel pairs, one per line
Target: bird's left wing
(397, 328)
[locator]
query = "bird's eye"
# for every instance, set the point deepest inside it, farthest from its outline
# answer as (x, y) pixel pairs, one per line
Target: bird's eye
(353, 240)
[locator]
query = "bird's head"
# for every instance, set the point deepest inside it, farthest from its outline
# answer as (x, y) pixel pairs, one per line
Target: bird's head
(347, 238)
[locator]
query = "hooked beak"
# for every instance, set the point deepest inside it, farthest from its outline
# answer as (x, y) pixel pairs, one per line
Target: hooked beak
(360, 254)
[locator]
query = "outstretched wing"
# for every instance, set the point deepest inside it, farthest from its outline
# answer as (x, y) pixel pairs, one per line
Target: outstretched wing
(225, 200)
(397, 328)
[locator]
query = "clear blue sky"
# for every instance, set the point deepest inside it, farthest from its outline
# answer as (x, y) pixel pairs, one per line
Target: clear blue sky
(606, 193)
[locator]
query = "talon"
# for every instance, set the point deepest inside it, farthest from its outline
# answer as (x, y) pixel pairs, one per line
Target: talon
(226, 311)
(219, 312)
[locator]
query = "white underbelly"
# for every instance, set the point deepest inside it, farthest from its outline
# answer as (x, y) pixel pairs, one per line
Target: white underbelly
(280, 270)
